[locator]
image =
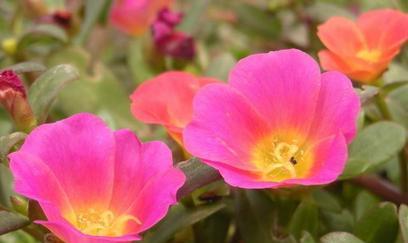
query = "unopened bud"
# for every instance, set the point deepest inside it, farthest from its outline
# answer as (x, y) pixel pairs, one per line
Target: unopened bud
(9, 45)
(20, 204)
(14, 99)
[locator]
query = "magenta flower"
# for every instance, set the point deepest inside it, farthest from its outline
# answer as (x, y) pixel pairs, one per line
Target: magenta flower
(279, 122)
(93, 184)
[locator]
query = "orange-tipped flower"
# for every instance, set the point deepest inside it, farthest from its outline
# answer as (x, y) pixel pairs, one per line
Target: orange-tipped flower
(168, 100)
(364, 48)
(134, 17)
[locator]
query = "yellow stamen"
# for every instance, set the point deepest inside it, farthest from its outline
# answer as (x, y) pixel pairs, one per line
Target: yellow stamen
(369, 55)
(102, 223)
(280, 159)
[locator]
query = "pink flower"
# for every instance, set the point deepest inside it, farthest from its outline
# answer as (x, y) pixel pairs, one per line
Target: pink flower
(135, 17)
(279, 122)
(173, 108)
(95, 185)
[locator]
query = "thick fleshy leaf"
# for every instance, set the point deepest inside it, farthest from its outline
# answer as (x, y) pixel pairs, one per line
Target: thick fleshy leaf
(378, 225)
(373, 146)
(403, 221)
(46, 88)
(8, 142)
(340, 237)
(178, 218)
(198, 174)
(25, 67)
(305, 217)
(11, 221)
(254, 216)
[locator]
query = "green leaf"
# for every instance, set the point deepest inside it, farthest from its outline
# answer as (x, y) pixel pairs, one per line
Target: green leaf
(221, 66)
(198, 174)
(6, 187)
(96, 91)
(11, 221)
(367, 93)
(363, 202)
(340, 237)
(93, 9)
(397, 103)
(322, 11)
(213, 229)
(26, 67)
(342, 221)
(46, 88)
(378, 225)
(257, 21)
(254, 216)
(18, 236)
(8, 142)
(307, 238)
(137, 62)
(43, 30)
(193, 15)
(403, 221)
(305, 217)
(326, 201)
(373, 146)
(179, 218)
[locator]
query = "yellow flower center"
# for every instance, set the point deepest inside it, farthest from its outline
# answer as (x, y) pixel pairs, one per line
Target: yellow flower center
(369, 55)
(102, 223)
(278, 159)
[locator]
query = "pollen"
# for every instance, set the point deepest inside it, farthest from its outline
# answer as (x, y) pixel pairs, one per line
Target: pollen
(369, 55)
(280, 159)
(102, 223)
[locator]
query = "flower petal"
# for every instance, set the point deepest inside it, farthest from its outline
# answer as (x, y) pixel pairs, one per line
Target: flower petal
(224, 126)
(338, 107)
(282, 85)
(333, 34)
(385, 29)
(67, 233)
(79, 152)
(173, 107)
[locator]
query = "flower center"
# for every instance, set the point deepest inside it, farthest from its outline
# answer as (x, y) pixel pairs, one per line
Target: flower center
(369, 55)
(278, 160)
(102, 223)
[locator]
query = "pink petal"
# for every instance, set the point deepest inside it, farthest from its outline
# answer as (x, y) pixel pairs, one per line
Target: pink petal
(34, 179)
(283, 87)
(145, 180)
(67, 233)
(79, 152)
(157, 195)
(224, 126)
(338, 107)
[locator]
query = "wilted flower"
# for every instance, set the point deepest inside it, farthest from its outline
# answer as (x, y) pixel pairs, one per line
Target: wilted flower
(363, 49)
(173, 107)
(13, 98)
(168, 40)
(136, 17)
(279, 122)
(93, 184)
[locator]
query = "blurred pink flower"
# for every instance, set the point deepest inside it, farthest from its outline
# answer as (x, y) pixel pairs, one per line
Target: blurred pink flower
(173, 107)
(279, 122)
(95, 185)
(135, 17)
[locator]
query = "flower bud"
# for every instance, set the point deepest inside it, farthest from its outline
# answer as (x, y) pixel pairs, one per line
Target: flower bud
(14, 99)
